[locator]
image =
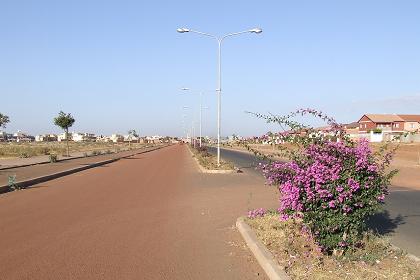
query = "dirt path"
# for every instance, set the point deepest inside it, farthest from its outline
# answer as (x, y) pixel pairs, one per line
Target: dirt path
(149, 217)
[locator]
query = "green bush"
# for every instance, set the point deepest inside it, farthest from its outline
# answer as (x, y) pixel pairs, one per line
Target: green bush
(24, 155)
(53, 158)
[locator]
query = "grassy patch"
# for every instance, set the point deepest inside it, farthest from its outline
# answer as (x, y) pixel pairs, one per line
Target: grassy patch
(298, 254)
(209, 161)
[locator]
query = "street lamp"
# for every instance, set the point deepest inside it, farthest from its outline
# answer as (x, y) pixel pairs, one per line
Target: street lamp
(192, 132)
(219, 88)
(183, 122)
(201, 111)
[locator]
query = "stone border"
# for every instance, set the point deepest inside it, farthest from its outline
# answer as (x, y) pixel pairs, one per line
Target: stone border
(408, 255)
(211, 171)
(48, 177)
(261, 253)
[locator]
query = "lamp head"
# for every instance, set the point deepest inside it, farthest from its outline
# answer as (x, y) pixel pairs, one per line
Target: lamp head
(182, 30)
(256, 30)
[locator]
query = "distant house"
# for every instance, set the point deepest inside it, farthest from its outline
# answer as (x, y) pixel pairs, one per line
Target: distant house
(46, 138)
(62, 137)
(411, 122)
(352, 129)
(131, 138)
(20, 136)
(102, 138)
(83, 137)
(116, 138)
(3, 136)
(389, 123)
(384, 122)
(154, 139)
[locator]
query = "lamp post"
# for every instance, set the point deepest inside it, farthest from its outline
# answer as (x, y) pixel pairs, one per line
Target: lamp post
(201, 112)
(220, 40)
(192, 132)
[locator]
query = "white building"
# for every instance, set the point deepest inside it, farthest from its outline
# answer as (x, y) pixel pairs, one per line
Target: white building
(62, 137)
(20, 136)
(83, 137)
(132, 138)
(3, 136)
(154, 139)
(46, 138)
(116, 138)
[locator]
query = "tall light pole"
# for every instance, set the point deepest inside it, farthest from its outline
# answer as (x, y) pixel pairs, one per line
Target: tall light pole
(183, 121)
(219, 88)
(201, 112)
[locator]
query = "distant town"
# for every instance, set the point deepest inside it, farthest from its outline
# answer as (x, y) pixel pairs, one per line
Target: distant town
(373, 127)
(21, 136)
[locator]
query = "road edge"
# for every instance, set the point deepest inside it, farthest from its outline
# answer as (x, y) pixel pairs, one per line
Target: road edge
(261, 253)
(49, 177)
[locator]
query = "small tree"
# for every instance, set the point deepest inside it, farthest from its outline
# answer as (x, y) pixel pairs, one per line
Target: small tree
(65, 121)
(131, 133)
(3, 120)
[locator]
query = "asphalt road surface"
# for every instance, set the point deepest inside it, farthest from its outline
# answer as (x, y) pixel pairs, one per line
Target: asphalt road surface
(151, 216)
(400, 218)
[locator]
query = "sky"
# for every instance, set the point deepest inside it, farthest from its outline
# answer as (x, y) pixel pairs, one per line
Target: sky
(120, 65)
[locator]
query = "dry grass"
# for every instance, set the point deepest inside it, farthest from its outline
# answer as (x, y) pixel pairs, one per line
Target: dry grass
(209, 161)
(301, 259)
(406, 160)
(14, 150)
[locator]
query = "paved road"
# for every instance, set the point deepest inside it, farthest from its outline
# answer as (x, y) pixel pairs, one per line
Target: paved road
(152, 216)
(400, 219)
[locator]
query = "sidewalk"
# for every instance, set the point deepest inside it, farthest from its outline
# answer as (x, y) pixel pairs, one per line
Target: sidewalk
(18, 162)
(12, 162)
(24, 173)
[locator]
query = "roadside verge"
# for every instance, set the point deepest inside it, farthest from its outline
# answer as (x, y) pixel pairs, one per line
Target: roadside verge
(210, 171)
(47, 177)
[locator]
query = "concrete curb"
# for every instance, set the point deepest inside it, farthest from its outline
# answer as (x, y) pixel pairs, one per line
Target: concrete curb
(408, 255)
(44, 178)
(261, 253)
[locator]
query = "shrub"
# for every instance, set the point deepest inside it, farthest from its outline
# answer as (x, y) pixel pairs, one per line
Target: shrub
(53, 158)
(44, 151)
(331, 182)
(96, 152)
(24, 155)
(12, 184)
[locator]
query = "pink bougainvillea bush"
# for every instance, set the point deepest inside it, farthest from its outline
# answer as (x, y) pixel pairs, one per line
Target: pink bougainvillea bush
(332, 183)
